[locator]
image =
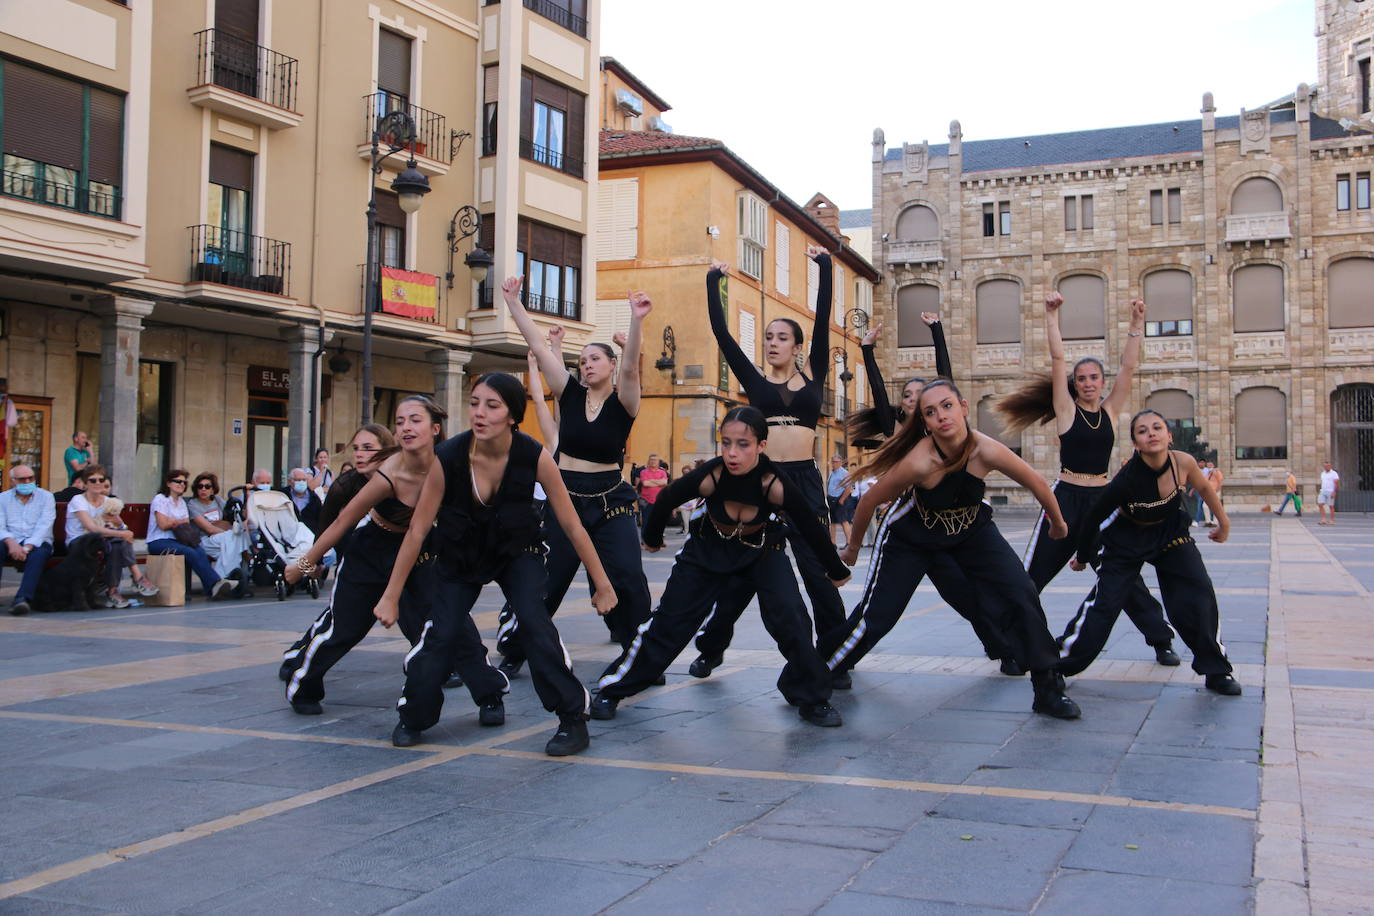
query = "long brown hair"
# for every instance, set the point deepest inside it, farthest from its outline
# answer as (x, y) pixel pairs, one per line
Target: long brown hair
(1033, 402)
(907, 437)
(865, 427)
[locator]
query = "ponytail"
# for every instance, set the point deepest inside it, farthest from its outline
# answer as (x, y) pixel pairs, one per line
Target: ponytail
(1032, 403)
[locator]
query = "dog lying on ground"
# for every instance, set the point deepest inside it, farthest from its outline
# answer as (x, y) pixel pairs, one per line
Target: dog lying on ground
(75, 584)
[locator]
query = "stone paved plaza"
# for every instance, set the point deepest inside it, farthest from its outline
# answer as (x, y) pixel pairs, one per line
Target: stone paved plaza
(149, 764)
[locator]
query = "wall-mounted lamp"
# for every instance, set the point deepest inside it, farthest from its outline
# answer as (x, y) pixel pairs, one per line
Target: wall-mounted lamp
(465, 223)
(667, 362)
(841, 358)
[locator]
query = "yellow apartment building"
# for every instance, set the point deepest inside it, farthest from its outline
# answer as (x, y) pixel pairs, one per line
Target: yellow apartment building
(183, 226)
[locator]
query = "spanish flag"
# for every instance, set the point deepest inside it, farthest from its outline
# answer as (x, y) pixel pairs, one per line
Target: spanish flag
(410, 293)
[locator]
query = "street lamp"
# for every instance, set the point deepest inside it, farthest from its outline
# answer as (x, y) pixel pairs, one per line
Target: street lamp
(467, 222)
(668, 361)
(396, 132)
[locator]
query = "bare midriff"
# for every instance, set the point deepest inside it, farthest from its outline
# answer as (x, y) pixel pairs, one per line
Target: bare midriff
(581, 465)
(791, 443)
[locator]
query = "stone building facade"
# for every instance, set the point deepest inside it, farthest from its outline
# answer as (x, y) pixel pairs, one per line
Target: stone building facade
(1250, 236)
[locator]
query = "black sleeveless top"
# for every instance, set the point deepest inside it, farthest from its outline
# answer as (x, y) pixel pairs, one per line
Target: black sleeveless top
(1087, 446)
(391, 510)
(956, 490)
(601, 440)
(475, 542)
(1134, 492)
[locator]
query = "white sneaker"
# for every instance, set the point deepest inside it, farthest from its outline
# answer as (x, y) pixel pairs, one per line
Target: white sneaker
(224, 588)
(146, 588)
(116, 601)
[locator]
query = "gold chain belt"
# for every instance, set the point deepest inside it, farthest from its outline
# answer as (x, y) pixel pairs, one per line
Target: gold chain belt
(953, 520)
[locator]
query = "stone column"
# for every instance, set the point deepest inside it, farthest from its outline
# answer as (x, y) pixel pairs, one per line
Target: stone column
(302, 342)
(450, 367)
(121, 327)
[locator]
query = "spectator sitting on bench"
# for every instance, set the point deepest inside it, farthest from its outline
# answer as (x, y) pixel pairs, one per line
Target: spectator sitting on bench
(221, 542)
(84, 520)
(27, 513)
(75, 488)
(166, 515)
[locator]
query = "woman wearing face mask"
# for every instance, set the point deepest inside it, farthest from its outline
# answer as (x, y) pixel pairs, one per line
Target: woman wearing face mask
(737, 537)
(386, 500)
(1083, 420)
(1149, 524)
(478, 502)
(791, 404)
(869, 427)
(934, 476)
(595, 414)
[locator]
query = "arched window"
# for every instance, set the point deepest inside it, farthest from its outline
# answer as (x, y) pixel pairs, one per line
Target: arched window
(998, 305)
(1083, 316)
(1177, 407)
(1169, 294)
(990, 424)
(917, 224)
(1261, 423)
(1257, 298)
(911, 302)
(1256, 195)
(1350, 293)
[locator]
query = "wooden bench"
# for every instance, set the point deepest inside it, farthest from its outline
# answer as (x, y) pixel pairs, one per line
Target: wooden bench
(134, 516)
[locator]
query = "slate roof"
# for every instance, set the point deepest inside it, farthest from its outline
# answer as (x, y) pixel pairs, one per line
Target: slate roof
(856, 219)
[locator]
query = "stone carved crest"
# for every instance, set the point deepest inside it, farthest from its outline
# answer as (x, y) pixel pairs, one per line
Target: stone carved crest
(915, 162)
(1254, 131)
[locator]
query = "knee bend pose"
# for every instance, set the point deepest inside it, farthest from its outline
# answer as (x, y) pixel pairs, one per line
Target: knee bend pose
(595, 416)
(791, 404)
(390, 486)
(1147, 523)
(873, 425)
(735, 538)
(936, 483)
(479, 500)
(1083, 420)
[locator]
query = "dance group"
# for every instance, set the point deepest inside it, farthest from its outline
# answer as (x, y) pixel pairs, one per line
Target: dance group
(423, 523)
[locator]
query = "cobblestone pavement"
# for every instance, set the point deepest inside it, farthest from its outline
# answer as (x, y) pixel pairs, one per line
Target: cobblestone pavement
(148, 763)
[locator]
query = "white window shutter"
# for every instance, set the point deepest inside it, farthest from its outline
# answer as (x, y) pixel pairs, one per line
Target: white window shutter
(611, 315)
(782, 259)
(860, 386)
(813, 283)
(617, 216)
(839, 295)
(746, 336)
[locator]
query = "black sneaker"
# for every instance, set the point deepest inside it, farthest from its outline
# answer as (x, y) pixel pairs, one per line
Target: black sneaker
(603, 707)
(840, 680)
(403, 736)
(285, 672)
(20, 608)
(661, 680)
(1223, 684)
(704, 665)
(307, 709)
(511, 669)
(1049, 696)
(570, 738)
(453, 681)
(491, 712)
(1011, 668)
(822, 714)
(1165, 655)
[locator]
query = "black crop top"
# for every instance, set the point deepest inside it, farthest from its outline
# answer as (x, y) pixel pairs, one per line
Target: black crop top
(746, 489)
(476, 541)
(958, 489)
(887, 414)
(1134, 491)
(781, 405)
(391, 510)
(601, 440)
(1087, 447)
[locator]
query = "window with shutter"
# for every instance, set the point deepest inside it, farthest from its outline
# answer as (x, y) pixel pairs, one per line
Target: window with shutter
(1175, 205)
(552, 124)
(998, 307)
(612, 317)
(1156, 208)
(782, 259)
(550, 260)
(391, 230)
(1350, 293)
(911, 302)
(918, 224)
(1257, 298)
(1086, 206)
(393, 66)
(1070, 214)
(837, 313)
(1256, 195)
(1261, 418)
(813, 283)
(1170, 295)
(752, 229)
(1083, 316)
(747, 342)
(617, 211)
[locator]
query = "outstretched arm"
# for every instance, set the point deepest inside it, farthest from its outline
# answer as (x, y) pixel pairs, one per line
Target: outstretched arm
(803, 517)
(548, 429)
(421, 521)
(628, 385)
(374, 492)
(887, 488)
(887, 417)
(937, 334)
(716, 297)
(603, 595)
(679, 492)
(554, 370)
(1188, 465)
(1000, 458)
(1130, 359)
(1059, 377)
(820, 331)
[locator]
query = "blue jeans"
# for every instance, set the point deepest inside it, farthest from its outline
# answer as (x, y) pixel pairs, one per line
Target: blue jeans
(194, 555)
(1288, 498)
(32, 570)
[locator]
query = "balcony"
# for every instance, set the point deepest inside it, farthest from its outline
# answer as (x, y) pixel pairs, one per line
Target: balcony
(928, 251)
(1257, 227)
(226, 257)
(432, 143)
(560, 13)
(35, 182)
(549, 305)
(244, 80)
(554, 159)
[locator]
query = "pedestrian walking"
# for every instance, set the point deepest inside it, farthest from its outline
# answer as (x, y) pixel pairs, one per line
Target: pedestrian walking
(1290, 494)
(1326, 495)
(1148, 524)
(738, 536)
(836, 495)
(1082, 415)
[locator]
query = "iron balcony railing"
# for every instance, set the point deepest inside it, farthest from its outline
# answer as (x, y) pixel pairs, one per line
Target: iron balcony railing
(554, 159)
(90, 197)
(431, 130)
(233, 258)
(250, 69)
(551, 305)
(559, 13)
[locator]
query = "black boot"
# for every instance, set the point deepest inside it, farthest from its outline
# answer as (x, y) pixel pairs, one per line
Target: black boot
(491, 711)
(570, 738)
(1049, 696)
(603, 707)
(454, 680)
(822, 714)
(307, 709)
(1223, 684)
(511, 669)
(404, 736)
(1012, 668)
(1165, 655)
(704, 665)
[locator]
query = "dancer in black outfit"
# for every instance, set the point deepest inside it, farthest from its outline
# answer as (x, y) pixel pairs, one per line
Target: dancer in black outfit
(736, 537)
(595, 416)
(1083, 419)
(367, 567)
(791, 404)
(937, 483)
(481, 492)
(1148, 523)
(869, 427)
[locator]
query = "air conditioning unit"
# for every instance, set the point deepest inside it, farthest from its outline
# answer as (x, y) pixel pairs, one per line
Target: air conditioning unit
(628, 102)
(660, 125)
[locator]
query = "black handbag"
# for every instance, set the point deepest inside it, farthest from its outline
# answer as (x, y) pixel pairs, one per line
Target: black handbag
(187, 534)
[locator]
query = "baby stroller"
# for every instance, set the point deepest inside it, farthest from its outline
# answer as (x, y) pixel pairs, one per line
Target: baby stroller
(275, 537)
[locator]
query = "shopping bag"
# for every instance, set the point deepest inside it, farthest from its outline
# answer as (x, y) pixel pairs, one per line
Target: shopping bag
(1297, 503)
(168, 573)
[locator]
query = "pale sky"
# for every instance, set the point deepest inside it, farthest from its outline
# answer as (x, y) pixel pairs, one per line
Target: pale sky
(795, 87)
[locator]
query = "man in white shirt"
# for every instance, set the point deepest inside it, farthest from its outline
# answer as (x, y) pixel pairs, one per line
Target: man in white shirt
(1326, 495)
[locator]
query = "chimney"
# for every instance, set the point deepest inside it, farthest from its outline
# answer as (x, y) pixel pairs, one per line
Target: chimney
(824, 211)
